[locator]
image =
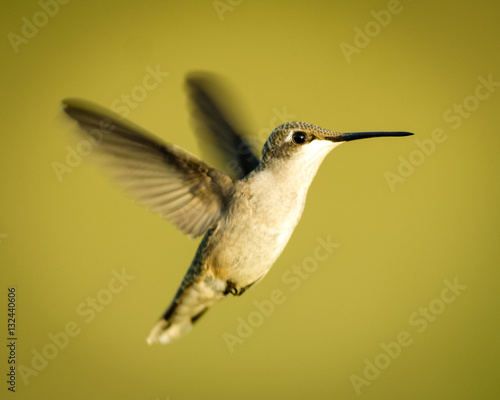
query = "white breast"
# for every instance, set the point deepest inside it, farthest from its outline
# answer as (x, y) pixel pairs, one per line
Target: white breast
(259, 228)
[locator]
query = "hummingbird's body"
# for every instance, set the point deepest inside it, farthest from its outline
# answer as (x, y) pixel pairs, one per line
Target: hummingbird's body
(248, 237)
(247, 221)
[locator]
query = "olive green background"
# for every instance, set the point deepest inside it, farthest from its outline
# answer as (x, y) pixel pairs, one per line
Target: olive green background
(62, 241)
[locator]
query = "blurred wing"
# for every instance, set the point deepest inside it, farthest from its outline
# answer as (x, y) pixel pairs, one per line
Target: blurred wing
(212, 123)
(164, 177)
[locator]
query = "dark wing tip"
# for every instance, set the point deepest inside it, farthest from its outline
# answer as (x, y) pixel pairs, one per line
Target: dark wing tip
(74, 106)
(216, 123)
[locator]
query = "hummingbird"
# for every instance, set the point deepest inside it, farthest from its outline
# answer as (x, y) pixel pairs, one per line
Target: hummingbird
(246, 219)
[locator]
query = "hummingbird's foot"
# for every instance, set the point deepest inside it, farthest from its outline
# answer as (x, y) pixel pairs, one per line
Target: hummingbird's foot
(231, 288)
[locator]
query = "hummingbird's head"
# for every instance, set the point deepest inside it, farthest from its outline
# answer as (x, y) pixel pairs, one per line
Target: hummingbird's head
(297, 140)
(294, 138)
(308, 144)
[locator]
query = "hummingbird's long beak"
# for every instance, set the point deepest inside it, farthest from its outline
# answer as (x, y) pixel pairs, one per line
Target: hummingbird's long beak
(345, 137)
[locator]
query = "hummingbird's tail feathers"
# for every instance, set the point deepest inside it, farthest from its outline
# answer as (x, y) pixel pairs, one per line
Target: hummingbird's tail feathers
(190, 303)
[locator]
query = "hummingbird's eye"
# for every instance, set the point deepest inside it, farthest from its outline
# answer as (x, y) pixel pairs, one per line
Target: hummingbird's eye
(299, 137)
